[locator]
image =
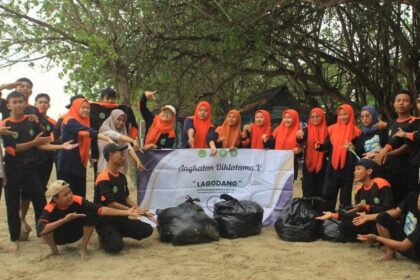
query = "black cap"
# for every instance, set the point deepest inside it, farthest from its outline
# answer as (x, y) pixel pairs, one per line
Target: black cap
(368, 164)
(112, 148)
(74, 97)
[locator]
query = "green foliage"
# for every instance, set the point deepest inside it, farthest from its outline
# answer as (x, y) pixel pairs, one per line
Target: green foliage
(327, 52)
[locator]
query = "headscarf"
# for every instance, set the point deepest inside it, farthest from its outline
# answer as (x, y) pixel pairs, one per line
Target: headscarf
(232, 133)
(340, 134)
(258, 131)
(84, 141)
(286, 136)
(316, 133)
(109, 123)
(371, 128)
(201, 127)
(158, 128)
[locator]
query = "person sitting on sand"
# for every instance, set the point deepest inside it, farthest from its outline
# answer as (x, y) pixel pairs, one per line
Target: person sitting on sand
(372, 196)
(68, 217)
(403, 237)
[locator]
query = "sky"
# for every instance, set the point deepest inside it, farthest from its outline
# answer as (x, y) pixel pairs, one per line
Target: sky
(44, 82)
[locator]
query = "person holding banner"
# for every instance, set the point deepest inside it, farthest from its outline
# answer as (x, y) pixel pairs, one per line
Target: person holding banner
(339, 174)
(199, 131)
(257, 134)
(313, 170)
(111, 190)
(160, 129)
(76, 127)
(230, 131)
(115, 128)
(284, 136)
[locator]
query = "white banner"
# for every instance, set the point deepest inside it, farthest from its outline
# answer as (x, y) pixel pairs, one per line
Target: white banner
(263, 176)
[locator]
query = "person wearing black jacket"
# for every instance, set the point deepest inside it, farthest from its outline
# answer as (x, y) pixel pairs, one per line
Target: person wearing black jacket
(372, 196)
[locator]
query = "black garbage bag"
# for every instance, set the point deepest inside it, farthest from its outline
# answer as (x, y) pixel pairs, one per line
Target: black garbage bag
(330, 230)
(238, 218)
(297, 222)
(186, 223)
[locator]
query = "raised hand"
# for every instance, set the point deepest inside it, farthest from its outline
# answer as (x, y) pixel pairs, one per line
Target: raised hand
(150, 94)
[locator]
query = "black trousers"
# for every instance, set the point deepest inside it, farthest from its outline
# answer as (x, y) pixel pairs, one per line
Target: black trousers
(72, 231)
(22, 179)
(77, 183)
(399, 185)
(111, 233)
(44, 171)
(397, 233)
(350, 231)
(330, 192)
(312, 183)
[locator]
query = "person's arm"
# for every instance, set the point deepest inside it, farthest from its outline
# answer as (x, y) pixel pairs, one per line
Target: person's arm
(55, 147)
(135, 158)
(212, 137)
(75, 127)
(145, 112)
(39, 140)
(270, 143)
(301, 136)
(9, 86)
(44, 227)
(323, 147)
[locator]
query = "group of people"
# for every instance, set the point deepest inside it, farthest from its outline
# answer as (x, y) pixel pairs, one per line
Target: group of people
(384, 160)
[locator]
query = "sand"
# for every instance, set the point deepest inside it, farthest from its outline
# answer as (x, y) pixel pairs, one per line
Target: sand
(260, 257)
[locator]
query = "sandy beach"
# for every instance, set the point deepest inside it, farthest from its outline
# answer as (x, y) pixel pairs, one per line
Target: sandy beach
(260, 257)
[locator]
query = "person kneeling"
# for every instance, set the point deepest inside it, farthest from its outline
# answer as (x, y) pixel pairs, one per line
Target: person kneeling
(111, 190)
(372, 196)
(404, 237)
(68, 217)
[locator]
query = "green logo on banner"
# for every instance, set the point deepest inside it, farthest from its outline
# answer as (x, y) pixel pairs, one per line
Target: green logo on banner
(102, 116)
(31, 132)
(234, 153)
(376, 200)
(223, 153)
(202, 153)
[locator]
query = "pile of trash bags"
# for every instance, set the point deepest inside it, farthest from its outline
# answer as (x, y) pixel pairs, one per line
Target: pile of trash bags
(297, 222)
(185, 224)
(238, 218)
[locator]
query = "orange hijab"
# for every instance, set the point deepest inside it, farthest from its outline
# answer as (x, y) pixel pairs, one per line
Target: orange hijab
(316, 133)
(160, 127)
(201, 126)
(230, 133)
(258, 131)
(286, 136)
(341, 133)
(84, 141)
